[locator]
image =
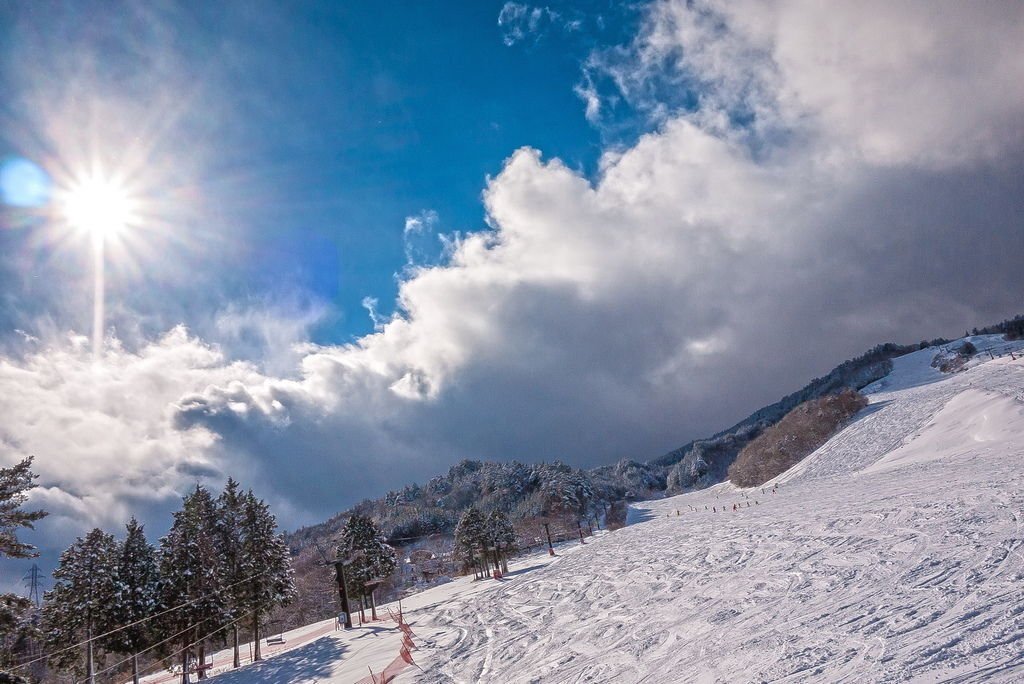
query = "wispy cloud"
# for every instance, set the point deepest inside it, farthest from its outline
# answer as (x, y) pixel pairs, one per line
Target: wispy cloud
(520, 22)
(420, 238)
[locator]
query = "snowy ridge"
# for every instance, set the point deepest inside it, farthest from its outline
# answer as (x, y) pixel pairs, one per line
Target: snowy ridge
(904, 401)
(893, 553)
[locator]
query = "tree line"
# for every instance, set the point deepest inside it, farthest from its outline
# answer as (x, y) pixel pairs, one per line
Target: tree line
(222, 566)
(220, 570)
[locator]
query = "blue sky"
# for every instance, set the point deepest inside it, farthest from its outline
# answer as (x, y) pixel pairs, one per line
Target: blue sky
(387, 111)
(659, 218)
(345, 119)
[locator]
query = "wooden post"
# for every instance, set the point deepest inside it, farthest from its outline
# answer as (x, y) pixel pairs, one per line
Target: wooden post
(551, 548)
(135, 668)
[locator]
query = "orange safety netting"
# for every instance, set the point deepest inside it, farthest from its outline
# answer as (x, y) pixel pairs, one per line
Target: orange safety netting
(400, 663)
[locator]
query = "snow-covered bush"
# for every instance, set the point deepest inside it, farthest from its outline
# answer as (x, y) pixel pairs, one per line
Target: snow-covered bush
(708, 460)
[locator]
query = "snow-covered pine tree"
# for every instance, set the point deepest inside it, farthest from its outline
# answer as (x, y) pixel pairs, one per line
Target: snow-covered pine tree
(266, 562)
(471, 536)
(17, 628)
(373, 558)
(19, 633)
(15, 482)
(230, 536)
(356, 535)
(136, 595)
(78, 607)
(192, 576)
(502, 535)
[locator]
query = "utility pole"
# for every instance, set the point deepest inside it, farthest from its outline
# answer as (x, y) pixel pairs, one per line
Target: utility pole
(339, 574)
(339, 570)
(551, 547)
(90, 677)
(32, 579)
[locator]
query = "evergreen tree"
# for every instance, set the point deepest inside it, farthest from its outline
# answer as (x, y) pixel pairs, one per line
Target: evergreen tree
(266, 563)
(18, 633)
(15, 482)
(471, 534)
(372, 557)
(17, 625)
(79, 606)
(231, 507)
(502, 535)
(136, 594)
(192, 576)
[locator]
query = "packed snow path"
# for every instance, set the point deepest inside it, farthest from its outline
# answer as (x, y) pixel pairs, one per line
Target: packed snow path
(894, 553)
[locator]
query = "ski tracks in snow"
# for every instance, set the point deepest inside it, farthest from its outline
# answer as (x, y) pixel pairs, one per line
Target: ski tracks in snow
(913, 573)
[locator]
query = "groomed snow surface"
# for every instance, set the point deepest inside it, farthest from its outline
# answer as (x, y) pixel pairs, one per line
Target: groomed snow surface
(891, 554)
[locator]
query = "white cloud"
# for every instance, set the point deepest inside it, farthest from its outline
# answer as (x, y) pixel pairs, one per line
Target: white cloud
(273, 332)
(707, 269)
(932, 84)
(102, 431)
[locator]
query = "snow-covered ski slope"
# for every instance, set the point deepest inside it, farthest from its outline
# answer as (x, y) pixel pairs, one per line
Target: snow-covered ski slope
(320, 654)
(893, 553)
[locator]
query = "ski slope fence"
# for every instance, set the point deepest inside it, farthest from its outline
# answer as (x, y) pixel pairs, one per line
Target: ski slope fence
(401, 661)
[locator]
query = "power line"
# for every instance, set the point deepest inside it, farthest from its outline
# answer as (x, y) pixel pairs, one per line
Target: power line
(130, 624)
(187, 646)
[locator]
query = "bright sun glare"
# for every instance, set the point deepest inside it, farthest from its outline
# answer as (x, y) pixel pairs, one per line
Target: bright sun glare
(100, 207)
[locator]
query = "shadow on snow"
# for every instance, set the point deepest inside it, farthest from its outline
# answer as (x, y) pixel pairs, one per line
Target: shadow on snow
(306, 663)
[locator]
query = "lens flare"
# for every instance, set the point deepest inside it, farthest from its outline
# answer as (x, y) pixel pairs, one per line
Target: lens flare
(23, 184)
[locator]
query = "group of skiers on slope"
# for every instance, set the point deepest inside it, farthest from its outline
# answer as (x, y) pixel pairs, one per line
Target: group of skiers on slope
(735, 506)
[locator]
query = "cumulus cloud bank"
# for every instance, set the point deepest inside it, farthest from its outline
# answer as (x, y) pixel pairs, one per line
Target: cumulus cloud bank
(849, 173)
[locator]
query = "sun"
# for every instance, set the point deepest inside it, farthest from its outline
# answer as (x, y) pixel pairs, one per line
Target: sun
(101, 207)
